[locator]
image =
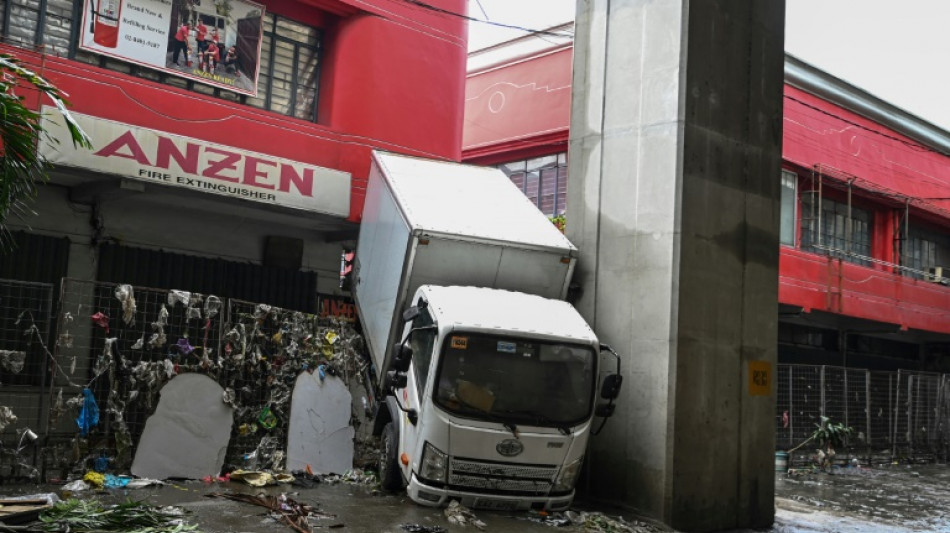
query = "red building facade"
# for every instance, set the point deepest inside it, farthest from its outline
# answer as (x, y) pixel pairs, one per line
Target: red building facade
(192, 165)
(865, 236)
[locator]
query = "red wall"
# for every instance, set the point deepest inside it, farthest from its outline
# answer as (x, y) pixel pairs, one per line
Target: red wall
(523, 107)
(535, 116)
(392, 78)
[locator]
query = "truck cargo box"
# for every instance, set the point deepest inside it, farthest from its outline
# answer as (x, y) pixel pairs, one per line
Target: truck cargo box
(443, 223)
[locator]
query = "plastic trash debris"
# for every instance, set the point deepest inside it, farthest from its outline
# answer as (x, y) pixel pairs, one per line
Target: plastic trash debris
(184, 347)
(89, 414)
(76, 486)
(117, 482)
(268, 419)
(419, 528)
(460, 515)
(100, 319)
(95, 479)
(12, 360)
(193, 313)
(283, 477)
(101, 464)
(228, 397)
(142, 482)
(65, 340)
(6, 417)
(124, 294)
(179, 296)
(139, 343)
(212, 306)
(254, 478)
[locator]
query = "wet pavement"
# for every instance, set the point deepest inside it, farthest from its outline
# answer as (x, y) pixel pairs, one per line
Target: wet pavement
(892, 498)
(883, 499)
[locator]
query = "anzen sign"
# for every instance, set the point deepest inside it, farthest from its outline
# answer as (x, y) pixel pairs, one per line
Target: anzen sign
(164, 158)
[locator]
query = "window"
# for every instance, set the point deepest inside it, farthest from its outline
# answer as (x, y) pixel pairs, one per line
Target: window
(836, 236)
(925, 250)
(789, 203)
(290, 54)
(422, 342)
(289, 69)
(543, 180)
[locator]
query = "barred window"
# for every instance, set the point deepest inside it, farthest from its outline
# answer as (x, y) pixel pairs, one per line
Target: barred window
(925, 251)
(543, 180)
(837, 234)
(289, 60)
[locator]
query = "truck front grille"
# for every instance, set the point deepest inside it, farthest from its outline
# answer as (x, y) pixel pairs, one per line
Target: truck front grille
(501, 477)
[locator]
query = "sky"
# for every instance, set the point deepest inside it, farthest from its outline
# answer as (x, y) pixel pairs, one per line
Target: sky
(897, 51)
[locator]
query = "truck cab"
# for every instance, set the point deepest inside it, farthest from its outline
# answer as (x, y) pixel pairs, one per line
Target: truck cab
(493, 400)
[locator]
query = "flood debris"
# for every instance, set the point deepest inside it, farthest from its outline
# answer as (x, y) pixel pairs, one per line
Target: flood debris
(21, 509)
(593, 522)
(419, 528)
(87, 516)
(460, 515)
(257, 478)
(284, 509)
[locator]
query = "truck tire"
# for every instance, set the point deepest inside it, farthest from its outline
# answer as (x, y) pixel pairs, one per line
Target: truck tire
(390, 475)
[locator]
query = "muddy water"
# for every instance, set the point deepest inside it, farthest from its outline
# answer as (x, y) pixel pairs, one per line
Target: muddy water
(888, 498)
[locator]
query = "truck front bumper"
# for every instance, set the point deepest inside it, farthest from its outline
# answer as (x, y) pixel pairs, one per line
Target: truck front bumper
(424, 494)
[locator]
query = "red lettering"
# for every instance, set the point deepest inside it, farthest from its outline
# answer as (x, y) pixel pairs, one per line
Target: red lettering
(126, 140)
(303, 184)
(225, 163)
(251, 172)
(187, 162)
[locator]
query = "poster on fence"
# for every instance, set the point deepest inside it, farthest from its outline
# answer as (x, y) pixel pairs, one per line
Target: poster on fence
(216, 42)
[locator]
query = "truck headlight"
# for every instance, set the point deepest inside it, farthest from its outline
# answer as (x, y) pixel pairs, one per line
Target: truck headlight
(435, 464)
(567, 477)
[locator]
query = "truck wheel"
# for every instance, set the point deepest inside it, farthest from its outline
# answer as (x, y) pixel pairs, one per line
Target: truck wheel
(390, 476)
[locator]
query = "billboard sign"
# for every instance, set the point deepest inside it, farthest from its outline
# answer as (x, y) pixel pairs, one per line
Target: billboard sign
(216, 42)
(167, 159)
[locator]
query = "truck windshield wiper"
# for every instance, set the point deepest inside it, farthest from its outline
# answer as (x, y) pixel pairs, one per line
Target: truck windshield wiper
(491, 416)
(540, 419)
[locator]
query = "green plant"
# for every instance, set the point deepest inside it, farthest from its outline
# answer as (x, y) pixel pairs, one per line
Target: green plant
(830, 435)
(82, 516)
(560, 221)
(21, 166)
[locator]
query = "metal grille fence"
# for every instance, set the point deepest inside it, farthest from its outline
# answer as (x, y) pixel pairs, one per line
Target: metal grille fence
(25, 311)
(900, 415)
(120, 344)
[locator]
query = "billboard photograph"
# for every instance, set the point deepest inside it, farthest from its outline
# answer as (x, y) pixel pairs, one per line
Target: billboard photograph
(216, 42)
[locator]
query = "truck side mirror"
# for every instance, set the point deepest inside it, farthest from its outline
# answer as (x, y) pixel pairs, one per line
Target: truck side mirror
(611, 387)
(402, 356)
(397, 380)
(410, 314)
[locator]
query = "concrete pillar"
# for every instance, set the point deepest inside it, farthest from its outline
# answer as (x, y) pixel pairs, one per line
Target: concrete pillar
(675, 156)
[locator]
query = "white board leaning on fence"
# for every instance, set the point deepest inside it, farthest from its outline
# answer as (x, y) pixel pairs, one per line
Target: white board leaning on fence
(319, 433)
(188, 435)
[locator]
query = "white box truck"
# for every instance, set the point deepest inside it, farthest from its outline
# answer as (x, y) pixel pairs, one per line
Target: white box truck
(488, 380)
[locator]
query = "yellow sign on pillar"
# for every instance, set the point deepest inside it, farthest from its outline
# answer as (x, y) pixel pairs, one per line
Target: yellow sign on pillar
(760, 378)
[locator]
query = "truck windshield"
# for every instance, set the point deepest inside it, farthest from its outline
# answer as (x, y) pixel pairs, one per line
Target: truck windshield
(516, 381)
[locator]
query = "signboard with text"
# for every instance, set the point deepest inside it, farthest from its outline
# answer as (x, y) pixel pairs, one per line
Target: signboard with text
(217, 42)
(174, 160)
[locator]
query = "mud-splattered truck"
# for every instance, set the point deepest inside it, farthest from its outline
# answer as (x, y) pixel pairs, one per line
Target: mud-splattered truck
(489, 384)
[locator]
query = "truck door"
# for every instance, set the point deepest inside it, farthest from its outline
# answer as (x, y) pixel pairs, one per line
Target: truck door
(422, 342)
